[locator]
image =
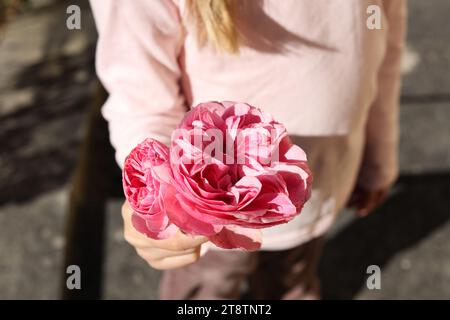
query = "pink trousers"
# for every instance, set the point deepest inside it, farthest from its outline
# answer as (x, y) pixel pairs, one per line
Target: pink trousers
(289, 274)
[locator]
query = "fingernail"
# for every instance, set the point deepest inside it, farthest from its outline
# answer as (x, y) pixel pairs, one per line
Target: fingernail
(204, 248)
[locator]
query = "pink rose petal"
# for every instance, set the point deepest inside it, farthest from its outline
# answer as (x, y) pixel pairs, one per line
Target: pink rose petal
(237, 237)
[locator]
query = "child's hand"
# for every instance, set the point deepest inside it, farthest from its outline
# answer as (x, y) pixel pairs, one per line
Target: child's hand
(175, 252)
(365, 201)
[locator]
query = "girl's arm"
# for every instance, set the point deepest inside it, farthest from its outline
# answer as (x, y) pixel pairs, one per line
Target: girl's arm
(380, 164)
(137, 62)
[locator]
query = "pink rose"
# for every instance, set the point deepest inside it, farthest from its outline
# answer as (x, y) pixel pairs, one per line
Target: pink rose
(234, 171)
(145, 174)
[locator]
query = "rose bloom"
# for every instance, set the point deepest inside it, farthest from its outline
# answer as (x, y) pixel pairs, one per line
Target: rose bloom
(234, 171)
(145, 173)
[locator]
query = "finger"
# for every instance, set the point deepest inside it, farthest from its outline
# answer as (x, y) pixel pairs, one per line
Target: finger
(354, 198)
(374, 201)
(363, 202)
(178, 243)
(379, 197)
(126, 209)
(158, 254)
(127, 212)
(368, 204)
(181, 242)
(137, 240)
(174, 262)
(133, 237)
(382, 195)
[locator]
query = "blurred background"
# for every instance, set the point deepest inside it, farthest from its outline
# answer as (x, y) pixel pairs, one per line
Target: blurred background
(57, 208)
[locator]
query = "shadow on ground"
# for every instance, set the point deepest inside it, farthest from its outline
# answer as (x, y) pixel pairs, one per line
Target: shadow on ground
(418, 206)
(39, 139)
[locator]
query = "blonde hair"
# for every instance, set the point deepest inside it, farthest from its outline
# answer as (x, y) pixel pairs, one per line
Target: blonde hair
(214, 20)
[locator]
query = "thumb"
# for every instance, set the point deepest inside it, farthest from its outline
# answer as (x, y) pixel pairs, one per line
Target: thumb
(185, 241)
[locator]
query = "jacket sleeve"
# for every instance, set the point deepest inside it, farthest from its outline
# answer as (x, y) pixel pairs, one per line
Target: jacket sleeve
(380, 162)
(137, 62)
